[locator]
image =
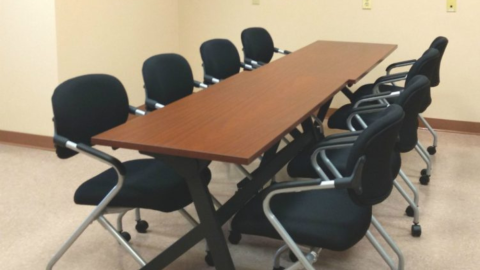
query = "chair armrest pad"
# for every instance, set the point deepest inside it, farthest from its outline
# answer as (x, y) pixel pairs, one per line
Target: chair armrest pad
(401, 64)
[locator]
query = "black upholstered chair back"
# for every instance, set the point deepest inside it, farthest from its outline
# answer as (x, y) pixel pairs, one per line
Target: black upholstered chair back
(411, 100)
(86, 106)
(220, 58)
(427, 66)
(377, 144)
(257, 44)
(167, 78)
(440, 43)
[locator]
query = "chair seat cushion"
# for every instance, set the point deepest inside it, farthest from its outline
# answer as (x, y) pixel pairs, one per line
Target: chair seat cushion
(149, 184)
(321, 218)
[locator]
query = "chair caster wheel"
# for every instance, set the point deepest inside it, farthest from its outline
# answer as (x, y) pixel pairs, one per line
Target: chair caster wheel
(423, 172)
(234, 237)
(425, 179)
(292, 256)
(209, 259)
(141, 226)
(126, 236)
(432, 150)
(416, 230)
(409, 211)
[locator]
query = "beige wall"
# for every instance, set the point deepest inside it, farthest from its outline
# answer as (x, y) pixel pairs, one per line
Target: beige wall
(28, 65)
(410, 24)
(45, 42)
(114, 37)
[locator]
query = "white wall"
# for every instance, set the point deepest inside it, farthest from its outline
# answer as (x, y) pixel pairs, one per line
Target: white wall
(28, 65)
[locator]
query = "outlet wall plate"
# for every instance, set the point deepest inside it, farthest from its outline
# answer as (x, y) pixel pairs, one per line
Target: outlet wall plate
(367, 4)
(451, 5)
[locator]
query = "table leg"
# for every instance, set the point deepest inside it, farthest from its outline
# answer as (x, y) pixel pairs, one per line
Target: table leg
(190, 169)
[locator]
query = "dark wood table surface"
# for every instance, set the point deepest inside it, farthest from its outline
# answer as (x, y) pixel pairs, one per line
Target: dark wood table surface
(240, 118)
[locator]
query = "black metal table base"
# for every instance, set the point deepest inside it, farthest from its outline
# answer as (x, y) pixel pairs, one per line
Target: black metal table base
(211, 220)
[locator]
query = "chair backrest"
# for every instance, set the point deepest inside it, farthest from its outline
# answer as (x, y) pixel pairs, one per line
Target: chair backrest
(411, 100)
(167, 78)
(427, 66)
(86, 106)
(257, 44)
(376, 143)
(220, 58)
(440, 43)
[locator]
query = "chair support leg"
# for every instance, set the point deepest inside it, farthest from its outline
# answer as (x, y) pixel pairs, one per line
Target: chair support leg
(416, 196)
(74, 237)
(104, 222)
(138, 217)
(416, 213)
(425, 158)
(391, 243)
(430, 129)
(380, 250)
(244, 171)
(119, 221)
(276, 258)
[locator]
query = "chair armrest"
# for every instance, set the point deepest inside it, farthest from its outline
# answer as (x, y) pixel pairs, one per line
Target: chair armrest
(400, 64)
(278, 50)
(246, 66)
(343, 135)
(153, 105)
(134, 110)
(255, 64)
(321, 148)
(353, 181)
(210, 79)
(90, 151)
(363, 110)
(198, 84)
(376, 97)
(389, 79)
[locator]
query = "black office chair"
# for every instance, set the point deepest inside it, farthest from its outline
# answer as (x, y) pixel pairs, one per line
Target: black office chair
(220, 60)
(358, 117)
(89, 105)
(426, 65)
(440, 43)
(302, 212)
(258, 46)
(167, 78)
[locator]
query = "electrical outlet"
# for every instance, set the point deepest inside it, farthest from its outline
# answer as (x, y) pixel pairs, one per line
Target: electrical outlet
(451, 5)
(367, 4)
(256, 2)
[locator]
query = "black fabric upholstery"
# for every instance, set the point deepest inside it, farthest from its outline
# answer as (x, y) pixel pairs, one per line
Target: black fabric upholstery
(426, 65)
(377, 144)
(440, 43)
(167, 77)
(220, 58)
(86, 106)
(411, 100)
(257, 44)
(325, 218)
(149, 184)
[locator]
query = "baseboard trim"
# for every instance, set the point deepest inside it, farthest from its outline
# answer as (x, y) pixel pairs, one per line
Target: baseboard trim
(46, 142)
(27, 140)
(443, 125)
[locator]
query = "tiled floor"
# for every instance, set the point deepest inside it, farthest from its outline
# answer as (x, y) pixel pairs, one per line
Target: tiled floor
(37, 214)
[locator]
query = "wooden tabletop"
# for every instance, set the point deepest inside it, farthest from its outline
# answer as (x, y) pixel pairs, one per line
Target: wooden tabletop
(241, 117)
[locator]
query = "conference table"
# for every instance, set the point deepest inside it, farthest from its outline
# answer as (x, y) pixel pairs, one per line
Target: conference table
(238, 120)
